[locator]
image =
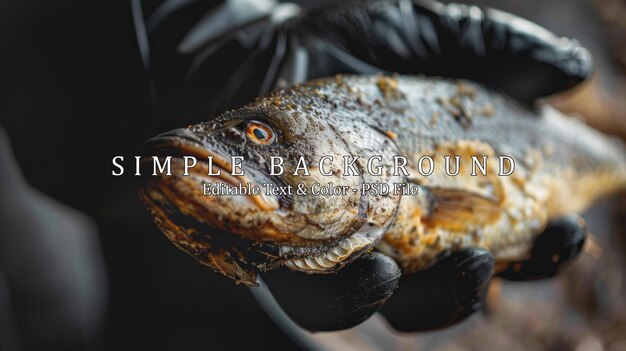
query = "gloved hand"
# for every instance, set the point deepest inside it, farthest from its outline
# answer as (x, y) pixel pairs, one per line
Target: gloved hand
(443, 295)
(240, 49)
(203, 57)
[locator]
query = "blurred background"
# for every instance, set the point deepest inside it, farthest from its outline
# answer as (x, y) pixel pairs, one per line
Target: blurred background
(83, 266)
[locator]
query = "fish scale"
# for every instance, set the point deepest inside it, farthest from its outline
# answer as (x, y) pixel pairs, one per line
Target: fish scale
(572, 164)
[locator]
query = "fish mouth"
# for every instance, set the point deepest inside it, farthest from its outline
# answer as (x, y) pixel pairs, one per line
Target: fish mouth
(181, 142)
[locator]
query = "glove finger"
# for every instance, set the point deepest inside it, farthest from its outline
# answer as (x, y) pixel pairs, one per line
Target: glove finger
(328, 302)
(443, 295)
(558, 244)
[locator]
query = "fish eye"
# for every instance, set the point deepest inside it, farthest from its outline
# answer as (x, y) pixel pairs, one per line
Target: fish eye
(260, 133)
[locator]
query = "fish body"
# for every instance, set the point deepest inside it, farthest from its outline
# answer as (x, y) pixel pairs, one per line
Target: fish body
(561, 166)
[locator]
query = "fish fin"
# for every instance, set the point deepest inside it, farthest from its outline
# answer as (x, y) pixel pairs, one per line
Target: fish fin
(456, 208)
(223, 262)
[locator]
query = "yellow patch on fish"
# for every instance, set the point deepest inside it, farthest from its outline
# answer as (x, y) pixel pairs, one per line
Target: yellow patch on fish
(392, 135)
(488, 211)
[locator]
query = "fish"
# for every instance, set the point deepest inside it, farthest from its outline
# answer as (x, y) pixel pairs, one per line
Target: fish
(561, 166)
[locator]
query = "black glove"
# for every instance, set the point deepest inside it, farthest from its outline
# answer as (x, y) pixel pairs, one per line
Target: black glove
(445, 294)
(203, 58)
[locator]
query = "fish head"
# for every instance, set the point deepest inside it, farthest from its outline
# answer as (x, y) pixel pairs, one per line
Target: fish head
(284, 221)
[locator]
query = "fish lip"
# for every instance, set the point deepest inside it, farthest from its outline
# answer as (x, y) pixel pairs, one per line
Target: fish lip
(183, 142)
